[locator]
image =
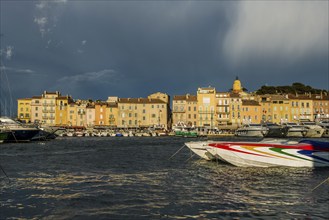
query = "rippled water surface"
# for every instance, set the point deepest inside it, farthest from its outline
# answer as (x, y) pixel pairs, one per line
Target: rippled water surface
(133, 178)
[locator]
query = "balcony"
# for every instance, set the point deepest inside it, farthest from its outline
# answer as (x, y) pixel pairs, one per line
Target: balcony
(52, 117)
(222, 112)
(222, 119)
(178, 111)
(51, 111)
(206, 112)
(44, 111)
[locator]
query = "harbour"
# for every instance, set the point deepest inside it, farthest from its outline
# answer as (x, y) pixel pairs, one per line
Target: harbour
(139, 178)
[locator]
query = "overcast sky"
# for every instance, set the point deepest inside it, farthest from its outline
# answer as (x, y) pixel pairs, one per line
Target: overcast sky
(94, 49)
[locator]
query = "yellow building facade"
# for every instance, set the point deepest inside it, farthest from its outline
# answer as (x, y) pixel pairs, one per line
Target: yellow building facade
(184, 110)
(61, 110)
(24, 109)
(206, 107)
(49, 107)
(223, 109)
(36, 109)
(251, 112)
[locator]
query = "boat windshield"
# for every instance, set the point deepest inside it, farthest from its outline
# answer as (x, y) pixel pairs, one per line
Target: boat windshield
(309, 123)
(254, 125)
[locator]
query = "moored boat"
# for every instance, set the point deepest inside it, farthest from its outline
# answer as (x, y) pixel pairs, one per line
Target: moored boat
(274, 130)
(4, 135)
(312, 129)
(306, 153)
(325, 126)
(200, 149)
(18, 132)
(293, 129)
(251, 130)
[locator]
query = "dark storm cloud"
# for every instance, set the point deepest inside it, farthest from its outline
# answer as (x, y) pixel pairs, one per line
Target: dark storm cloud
(95, 49)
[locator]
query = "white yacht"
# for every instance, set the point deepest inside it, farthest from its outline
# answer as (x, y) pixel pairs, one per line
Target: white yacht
(312, 129)
(325, 126)
(293, 129)
(251, 130)
(18, 132)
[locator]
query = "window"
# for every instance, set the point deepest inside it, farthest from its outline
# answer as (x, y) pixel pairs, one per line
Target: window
(153, 116)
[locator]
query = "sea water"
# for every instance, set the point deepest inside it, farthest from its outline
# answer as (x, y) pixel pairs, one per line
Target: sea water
(137, 178)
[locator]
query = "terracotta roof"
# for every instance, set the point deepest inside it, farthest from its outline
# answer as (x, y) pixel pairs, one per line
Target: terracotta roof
(25, 99)
(189, 98)
(309, 97)
(36, 97)
(139, 100)
(234, 95)
(278, 97)
(250, 102)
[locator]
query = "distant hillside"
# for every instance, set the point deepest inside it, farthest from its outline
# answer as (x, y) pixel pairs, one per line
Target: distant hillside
(296, 87)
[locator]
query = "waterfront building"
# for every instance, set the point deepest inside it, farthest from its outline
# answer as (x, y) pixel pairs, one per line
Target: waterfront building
(184, 110)
(72, 114)
(251, 112)
(48, 107)
(100, 113)
(144, 112)
(206, 107)
(275, 108)
(36, 109)
(81, 106)
(24, 109)
(112, 113)
(236, 107)
(280, 109)
(61, 110)
(265, 102)
(301, 107)
(321, 106)
(90, 114)
(223, 109)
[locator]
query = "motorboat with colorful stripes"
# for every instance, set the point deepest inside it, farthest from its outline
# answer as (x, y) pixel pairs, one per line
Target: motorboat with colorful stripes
(271, 153)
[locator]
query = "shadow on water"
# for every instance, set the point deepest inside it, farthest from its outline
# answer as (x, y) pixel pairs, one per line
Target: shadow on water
(133, 178)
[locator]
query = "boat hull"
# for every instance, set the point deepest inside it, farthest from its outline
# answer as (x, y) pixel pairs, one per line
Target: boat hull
(16, 135)
(270, 154)
(249, 133)
(200, 149)
(4, 136)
